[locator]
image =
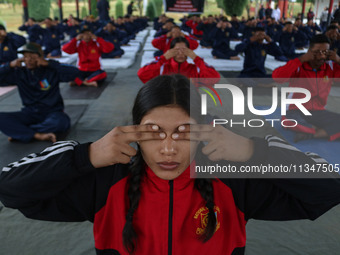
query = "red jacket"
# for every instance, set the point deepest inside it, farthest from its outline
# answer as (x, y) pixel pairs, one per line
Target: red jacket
(88, 53)
(162, 66)
(193, 26)
(318, 82)
(163, 43)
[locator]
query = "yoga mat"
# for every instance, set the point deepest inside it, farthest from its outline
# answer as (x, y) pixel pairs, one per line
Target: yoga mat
(6, 89)
(324, 148)
(84, 92)
(13, 151)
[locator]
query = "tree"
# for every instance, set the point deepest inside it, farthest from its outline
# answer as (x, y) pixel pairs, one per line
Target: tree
(140, 7)
(159, 6)
(39, 11)
(220, 4)
(150, 10)
(94, 10)
(119, 9)
(232, 7)
(83, 13)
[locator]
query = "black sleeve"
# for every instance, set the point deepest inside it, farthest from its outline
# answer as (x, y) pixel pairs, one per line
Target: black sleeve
(7, 75)
(284, 199)
(58, 184)
(65, 72)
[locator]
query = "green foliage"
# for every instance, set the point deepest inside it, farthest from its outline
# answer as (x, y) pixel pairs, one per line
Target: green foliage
(308, 1)
(55, 12)
(234, 6)
(220, 4)
(39, 11)
(150, 10)
(119, 8)
(94, 10)
(83, 12)
(159, 6)
(3, 23)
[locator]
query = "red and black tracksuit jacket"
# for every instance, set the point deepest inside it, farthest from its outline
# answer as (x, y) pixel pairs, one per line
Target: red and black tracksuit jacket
(163, 43)
(302, 75)
(318, 83)
(88, 53)
(162, 66)
(60, 184)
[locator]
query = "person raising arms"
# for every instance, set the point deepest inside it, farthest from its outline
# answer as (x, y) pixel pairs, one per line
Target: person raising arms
(175, 61)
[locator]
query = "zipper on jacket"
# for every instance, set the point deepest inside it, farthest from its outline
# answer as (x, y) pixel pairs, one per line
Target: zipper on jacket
(171, 202)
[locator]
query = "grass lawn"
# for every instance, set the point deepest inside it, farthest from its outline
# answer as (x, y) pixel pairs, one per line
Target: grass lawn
(12, 16)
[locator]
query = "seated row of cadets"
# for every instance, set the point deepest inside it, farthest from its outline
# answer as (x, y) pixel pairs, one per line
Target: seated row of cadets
(129, 26)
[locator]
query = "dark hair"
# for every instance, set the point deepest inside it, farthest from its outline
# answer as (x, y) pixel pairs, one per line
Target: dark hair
(179, 40)
(161, 91)
(288, 23)
(112, 23)
(258, 29)
(169, 21)
(175, 26)
(331, 27)
(33, 19)
(83, 30)
(2, 27)
(49, 18)
(321, 38)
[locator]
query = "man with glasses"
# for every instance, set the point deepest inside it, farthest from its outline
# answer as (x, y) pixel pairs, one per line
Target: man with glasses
(42, 116)
(314, 71)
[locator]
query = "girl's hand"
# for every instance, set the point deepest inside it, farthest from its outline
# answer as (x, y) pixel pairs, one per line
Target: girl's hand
(115, 146)
(222, 143)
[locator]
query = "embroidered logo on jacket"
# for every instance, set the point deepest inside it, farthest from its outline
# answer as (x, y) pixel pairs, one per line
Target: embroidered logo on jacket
(201, 217)
(6, 48)
(44, 85)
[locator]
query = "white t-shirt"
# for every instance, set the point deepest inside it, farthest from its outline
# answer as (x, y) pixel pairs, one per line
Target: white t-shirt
(276, 14)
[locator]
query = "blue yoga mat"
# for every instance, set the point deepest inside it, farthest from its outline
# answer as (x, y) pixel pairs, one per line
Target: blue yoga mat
(324, 148)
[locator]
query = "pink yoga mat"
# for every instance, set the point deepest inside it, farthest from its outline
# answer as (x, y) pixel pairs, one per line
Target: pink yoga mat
(4, 90)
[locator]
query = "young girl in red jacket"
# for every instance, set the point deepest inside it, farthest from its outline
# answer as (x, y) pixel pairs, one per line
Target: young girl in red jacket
(174, 61)
(151, 205)
(89, 48)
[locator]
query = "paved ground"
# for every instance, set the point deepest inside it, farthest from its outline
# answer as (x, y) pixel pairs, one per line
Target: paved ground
(19, 235)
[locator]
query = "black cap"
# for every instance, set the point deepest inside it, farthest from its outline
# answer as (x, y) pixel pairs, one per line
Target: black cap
(2, 27)
(33, 48)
